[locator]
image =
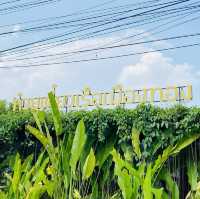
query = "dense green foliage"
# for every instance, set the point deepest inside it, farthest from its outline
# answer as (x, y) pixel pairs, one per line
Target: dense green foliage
(159, 127)
(111, 163)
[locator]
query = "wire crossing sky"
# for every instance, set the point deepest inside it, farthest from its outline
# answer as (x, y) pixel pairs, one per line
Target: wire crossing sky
(98, 43)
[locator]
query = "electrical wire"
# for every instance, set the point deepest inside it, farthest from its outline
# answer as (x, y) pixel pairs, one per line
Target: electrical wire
(98, 59)
(108, 47)
(154, 27)
(89, 10)
(117, 20)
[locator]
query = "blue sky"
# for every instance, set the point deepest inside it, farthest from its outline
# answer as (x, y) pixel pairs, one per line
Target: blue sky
(157, 69)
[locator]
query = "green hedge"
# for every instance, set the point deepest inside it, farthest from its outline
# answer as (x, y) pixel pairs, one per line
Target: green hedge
(159, 127)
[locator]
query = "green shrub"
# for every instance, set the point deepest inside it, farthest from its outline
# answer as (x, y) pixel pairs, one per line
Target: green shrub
(157, 125)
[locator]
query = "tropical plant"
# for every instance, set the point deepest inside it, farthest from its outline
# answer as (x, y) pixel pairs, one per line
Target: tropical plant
(138, 181)
(172, 189)
(192, 173)
(68, 167)
(68, 178)
(27, 179)
(71, 167)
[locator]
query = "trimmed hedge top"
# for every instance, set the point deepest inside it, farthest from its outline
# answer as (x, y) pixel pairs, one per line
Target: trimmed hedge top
(159, 127)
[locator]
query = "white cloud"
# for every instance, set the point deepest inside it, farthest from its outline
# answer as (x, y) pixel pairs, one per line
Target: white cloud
(150, 70)
(38, 81)
(155, 69)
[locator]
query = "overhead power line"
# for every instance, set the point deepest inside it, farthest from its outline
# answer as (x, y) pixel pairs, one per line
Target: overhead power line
(112, 18)
(154, 30)
(25, 6)
(98, 59)
(96, 26)
(107, 48)
(84, 12)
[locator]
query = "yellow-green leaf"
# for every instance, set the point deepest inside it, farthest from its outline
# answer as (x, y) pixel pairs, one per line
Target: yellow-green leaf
(89, 165)
(39, 135)
(147, 188)
(17, 174)
(77, 145)
(56, 114)
(186, 141)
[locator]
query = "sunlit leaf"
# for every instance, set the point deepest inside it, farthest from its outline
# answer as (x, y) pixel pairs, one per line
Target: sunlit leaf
(89, 165)
(78, 145)
(192, 174)
(17, 174)
(39, 135)
(56, 113)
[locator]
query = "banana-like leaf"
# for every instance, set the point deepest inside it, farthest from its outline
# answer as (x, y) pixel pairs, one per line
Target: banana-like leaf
(89, 165)
(45, 141)
(37, 119)
(78, 145)
(136, 142)
(192, 174)
(146, 187)
(186, 141)
(161, 159)
(171, 185)
(16, 174)
(86, 150)
(169, 151)
(56, 114)
(39, 135)
(27, 163)
(124, 179)
(65, 153)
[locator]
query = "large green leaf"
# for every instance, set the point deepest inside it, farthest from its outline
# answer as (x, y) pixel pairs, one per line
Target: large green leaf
(78, 145)
(123, 178)
(27, 163)
(65, 154)
(192, 174)
(39, 118)
(161, 159)
(39, 135)
(146, 187)
(16, 174)
(56, 113)
(171, 185)
(169, 151)
(186, 141)
(136, 142)
(89, 165)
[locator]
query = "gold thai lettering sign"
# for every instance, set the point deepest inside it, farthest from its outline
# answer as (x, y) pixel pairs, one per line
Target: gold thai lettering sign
(116, 97)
